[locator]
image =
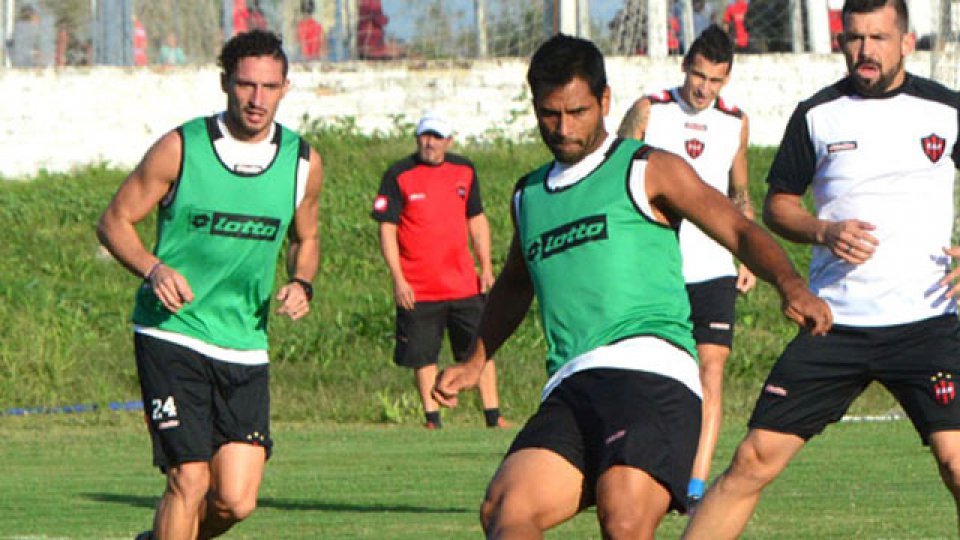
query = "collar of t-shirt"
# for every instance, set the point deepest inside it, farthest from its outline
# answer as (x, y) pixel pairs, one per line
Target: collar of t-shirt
(244, 157)
(686, 107)
(563, 175)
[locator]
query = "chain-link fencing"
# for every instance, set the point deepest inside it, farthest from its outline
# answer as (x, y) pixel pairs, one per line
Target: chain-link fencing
(41, 33)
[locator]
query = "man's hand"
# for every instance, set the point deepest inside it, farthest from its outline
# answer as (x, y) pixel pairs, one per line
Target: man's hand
(850, 240)
(403, 294)
(293, 301)
(486, 281)
(951, 279)
(455, 378)
(745, 279)
(804, 308)
(171, 288)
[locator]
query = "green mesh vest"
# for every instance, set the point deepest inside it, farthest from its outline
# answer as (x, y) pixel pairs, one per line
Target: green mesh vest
(223, 232)
(602, 271)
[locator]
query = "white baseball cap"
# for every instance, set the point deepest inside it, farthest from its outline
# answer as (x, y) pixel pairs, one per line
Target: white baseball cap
(433, 122)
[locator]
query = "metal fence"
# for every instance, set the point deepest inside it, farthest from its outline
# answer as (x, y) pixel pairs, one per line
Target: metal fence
(41, 33)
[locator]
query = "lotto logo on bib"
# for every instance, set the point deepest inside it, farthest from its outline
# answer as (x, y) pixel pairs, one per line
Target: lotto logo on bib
(234, 225)
(568, 236)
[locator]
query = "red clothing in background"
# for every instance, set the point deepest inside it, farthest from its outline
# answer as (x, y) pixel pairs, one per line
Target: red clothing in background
(310, 35)
(736, 13)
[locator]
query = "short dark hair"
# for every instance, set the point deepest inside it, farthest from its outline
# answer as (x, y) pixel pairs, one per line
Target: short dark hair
(713, 44)
(868, 6)
(252, 43)
(562, 58)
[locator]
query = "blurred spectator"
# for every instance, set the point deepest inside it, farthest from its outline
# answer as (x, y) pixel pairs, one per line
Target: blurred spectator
(27, 48)
(313, 45)
(703, 16)
(733, 22)
(768, 22)
(258, 19)
(171, 53)
(673, 27)
(836, 23)
(371, 42)
(241, 17)
(140, 43)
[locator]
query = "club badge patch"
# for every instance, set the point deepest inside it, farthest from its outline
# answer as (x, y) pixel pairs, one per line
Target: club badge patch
(944, 389)
(694, 147)
(933, 146)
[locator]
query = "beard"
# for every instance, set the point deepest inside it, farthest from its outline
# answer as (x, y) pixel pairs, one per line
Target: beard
(570, 150)
(879, 86)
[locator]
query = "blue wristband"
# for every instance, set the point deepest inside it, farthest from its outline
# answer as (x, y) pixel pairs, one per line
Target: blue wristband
(696, 487)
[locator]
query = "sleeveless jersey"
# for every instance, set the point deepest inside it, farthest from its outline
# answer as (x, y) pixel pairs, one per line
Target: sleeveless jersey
(889, 161)
(223, 231)
(602, 271)
(708, 140)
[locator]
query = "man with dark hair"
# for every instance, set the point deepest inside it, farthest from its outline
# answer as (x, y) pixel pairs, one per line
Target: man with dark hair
(878, 150)
(229, 189)
(693, 122)
(595, 239)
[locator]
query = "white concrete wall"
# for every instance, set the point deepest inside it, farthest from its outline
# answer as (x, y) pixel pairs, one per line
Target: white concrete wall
(57, 120)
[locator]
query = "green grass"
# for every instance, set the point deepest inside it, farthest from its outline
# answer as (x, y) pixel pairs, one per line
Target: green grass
(89, 478)
(65, 336)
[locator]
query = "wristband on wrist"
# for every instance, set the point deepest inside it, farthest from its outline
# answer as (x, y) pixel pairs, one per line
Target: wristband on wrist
(306, 285)
(153, 270)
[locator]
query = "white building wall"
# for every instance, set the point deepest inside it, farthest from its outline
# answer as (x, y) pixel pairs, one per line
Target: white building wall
(57, 120)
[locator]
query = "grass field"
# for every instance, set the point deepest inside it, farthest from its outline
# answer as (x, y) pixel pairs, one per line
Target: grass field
(350, 462)
(89, 478)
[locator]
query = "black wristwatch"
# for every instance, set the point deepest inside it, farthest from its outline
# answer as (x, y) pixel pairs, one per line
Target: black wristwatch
(307, 286)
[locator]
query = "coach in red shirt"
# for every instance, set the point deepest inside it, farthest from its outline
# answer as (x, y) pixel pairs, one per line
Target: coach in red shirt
(428, 207)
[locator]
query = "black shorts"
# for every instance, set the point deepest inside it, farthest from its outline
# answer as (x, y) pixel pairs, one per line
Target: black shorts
(599, 418)
(194, 404)
(713, 310)
(420, 330)
(817, 378)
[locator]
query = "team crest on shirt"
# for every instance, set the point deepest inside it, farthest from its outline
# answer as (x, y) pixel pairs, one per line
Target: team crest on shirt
(694, 147)
(462, 192)
(933, 146)
(944, 389)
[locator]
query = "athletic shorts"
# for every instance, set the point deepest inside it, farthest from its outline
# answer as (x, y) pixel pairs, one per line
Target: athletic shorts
(420, 330)
(194, 404)
(599, 418)
(817, 378)
(712, 310)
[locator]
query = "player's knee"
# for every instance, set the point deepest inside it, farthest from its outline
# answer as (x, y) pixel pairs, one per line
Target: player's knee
(752, 465)
(627, 525)
(189, 482)
(235, 508)
(490, 511)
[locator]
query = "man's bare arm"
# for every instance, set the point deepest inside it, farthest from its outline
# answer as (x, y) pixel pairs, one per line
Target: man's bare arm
(303, 253)
(739, 173)
(506, 307)
(634, 123)
(675, 190)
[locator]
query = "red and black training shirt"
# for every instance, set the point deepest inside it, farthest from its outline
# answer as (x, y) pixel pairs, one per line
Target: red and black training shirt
(430, 205)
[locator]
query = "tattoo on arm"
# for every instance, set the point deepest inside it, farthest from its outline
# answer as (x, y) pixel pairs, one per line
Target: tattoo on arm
(741, 199)
(633, 124)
